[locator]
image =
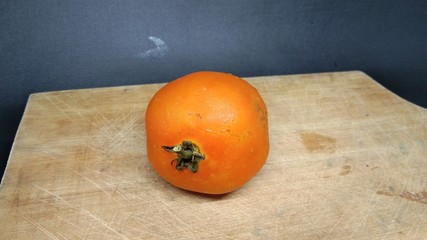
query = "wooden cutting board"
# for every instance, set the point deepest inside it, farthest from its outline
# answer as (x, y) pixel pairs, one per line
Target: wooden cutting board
(348, 160)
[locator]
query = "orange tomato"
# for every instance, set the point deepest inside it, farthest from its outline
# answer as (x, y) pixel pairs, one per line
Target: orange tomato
(207, 132)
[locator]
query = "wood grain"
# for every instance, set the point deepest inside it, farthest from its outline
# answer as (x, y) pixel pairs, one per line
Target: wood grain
(348, 160)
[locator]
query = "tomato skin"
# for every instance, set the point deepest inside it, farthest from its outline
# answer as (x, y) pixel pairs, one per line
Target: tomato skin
(224, 116)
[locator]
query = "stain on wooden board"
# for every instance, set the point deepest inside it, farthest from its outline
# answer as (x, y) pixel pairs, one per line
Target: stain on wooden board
(420, 197)
(315, 142)
(346, 169)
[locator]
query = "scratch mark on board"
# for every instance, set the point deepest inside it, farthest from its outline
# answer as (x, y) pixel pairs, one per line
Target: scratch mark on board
(95, 184)
(146, 224)
(418, 225)
(373, 204)
(38, 226)
(62, 235)
(69, 222)
(82, 210)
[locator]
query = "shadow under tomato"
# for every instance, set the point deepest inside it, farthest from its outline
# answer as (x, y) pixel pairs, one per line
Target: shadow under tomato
(205, 195)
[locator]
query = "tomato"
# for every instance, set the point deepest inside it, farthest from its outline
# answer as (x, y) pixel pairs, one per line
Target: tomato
(207, 132)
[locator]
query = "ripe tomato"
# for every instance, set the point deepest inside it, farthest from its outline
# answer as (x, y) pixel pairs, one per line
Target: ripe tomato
(207, 132)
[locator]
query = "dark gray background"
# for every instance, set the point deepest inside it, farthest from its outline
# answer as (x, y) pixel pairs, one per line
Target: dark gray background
(50, 45)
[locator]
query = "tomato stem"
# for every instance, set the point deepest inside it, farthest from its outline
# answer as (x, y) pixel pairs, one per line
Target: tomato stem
(189, 155)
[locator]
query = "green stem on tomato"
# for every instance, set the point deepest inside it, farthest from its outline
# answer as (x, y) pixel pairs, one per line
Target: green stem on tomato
(189, 155)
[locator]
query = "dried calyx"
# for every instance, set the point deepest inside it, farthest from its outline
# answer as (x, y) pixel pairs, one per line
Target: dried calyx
(189, 155)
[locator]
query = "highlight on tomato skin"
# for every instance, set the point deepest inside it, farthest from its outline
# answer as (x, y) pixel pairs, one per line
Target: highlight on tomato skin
(207, 132)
